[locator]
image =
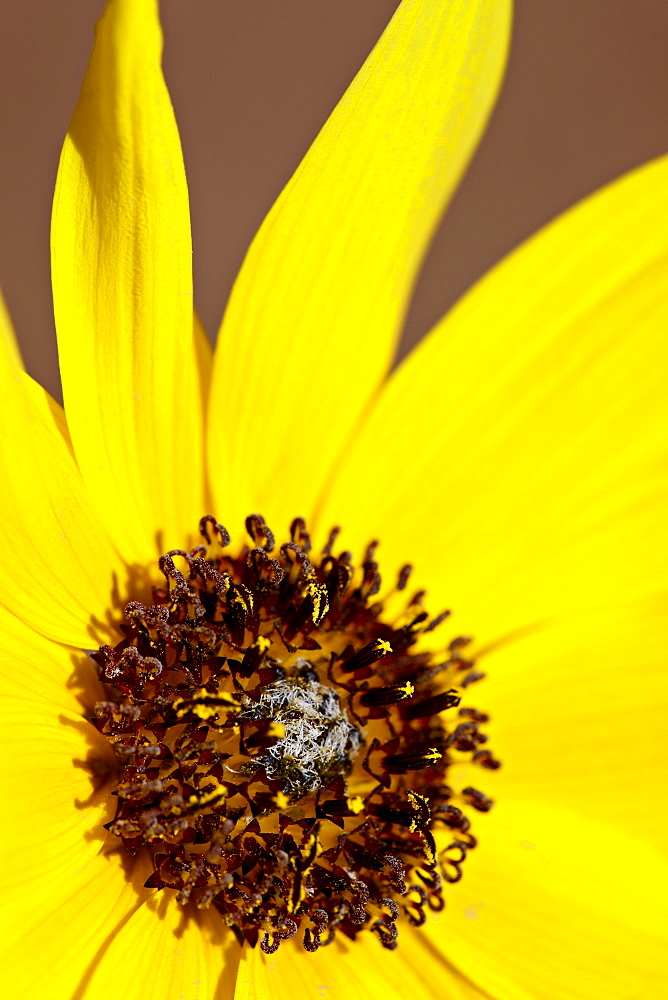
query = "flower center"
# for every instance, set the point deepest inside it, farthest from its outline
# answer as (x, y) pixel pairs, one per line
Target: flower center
(283, 745)
(316, 740)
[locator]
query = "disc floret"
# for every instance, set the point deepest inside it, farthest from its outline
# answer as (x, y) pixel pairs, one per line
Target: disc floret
(283, 747)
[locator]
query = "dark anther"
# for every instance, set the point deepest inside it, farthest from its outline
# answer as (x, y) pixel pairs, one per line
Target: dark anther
(297, 561)
(412, 760)
(312, 939)
(485, 758)
(404, 576)
(421, 810)
(404, 817)
(390, 695)
(111, 708)
(460, 642)
(474, 715)
(268, 572)
(219, 582)
(371, 581)
(387, 934)
(288, 930)
(466, 737)
(209, 529)
(254, 656)
(438, 620)
(472, 678)
(269, 945)
(450, 860)
(311, 942)
(430, 878)
(391, 906)
(300, 535)
(451, 816)
(334, 807)
(414, 908)
(329, 545)
(431, 706)
(317, 600)
(457, 849)
(365, 656)
(370, 552)
(477, 799)
(260, 532)
(399, 870)
(179, 589)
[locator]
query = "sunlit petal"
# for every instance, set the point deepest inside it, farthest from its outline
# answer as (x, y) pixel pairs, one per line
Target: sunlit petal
(556, 906)
(122, 282)
(518, 457)
(313, 318)
(165, 951)
(60, 570)
(52, 945)
(580, 716)
(360, 969)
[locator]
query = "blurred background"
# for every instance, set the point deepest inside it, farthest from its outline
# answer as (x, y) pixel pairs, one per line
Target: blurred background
(585, 99)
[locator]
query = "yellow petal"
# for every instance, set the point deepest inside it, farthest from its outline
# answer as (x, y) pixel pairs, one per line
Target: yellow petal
(580, 717)
(57, 785)
(56, 799)
(59, 778)
(555, 906)
(51, 948)
(313, 318)
(122, 285)
(360, 969)
(59, 567)
(165, 951)
(518, 458)
(35, 669)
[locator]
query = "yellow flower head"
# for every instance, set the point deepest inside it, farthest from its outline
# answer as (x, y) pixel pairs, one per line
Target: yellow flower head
(240, 764)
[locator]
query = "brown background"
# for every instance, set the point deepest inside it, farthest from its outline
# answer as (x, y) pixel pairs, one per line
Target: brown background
(586, 98)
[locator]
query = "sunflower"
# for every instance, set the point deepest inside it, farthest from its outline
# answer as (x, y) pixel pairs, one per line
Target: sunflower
(516, 458)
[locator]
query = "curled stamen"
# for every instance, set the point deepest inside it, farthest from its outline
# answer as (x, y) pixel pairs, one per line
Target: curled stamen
(260, 532)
